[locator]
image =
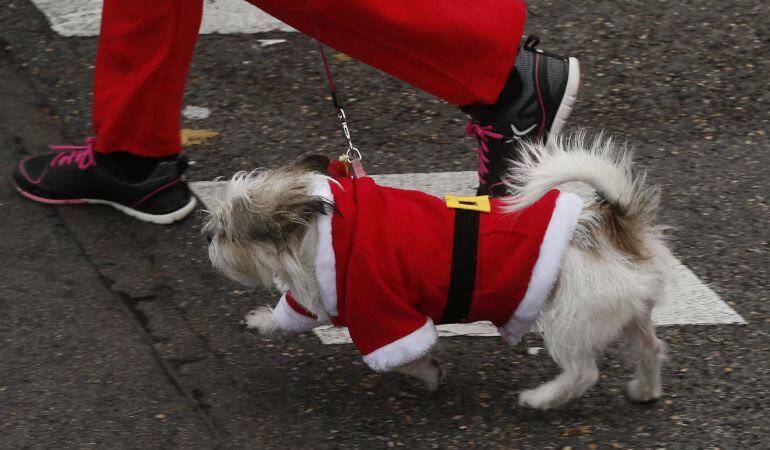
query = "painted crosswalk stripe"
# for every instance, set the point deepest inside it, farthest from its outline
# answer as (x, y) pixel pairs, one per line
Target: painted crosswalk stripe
(82, 17)
(688, 300)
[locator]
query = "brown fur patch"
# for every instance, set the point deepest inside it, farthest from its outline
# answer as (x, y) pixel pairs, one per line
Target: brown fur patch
(312, 162)
(621, 229)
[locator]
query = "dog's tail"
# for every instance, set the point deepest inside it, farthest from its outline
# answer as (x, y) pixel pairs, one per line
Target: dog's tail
(618, 205)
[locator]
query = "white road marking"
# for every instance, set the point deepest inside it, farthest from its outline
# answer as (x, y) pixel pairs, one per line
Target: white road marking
(688, 300)
(267, 42)
(83, 17)
(196, 112)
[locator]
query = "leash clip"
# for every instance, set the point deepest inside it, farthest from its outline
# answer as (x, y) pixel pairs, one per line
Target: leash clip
(352, 159)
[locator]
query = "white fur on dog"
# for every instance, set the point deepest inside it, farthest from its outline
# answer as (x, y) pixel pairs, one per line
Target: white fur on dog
(599, 162)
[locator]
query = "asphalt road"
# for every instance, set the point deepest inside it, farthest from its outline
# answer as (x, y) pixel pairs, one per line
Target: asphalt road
(118, 334)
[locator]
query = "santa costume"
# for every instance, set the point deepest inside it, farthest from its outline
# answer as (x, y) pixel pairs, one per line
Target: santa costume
(391, 263)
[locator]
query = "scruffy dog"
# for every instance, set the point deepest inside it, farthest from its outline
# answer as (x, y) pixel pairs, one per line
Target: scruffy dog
(586, 261)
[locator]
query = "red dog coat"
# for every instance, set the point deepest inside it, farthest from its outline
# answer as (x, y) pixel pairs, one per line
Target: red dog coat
(384, 267)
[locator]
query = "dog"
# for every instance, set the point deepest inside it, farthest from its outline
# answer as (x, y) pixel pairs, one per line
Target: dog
(271, 228)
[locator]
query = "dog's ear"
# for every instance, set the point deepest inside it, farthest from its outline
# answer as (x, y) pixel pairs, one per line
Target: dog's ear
(288, 216)
(293, 217)
(251, 222)
(312, 162)
(301, 209)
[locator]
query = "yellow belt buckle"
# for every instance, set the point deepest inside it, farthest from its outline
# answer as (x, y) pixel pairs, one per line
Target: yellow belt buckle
(480, 203)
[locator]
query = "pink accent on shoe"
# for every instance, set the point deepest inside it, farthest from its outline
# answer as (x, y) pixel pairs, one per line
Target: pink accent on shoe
(27, 176)
(482, 134)
(50, 201)
(539, 96)
(83, 155)
(148, 196)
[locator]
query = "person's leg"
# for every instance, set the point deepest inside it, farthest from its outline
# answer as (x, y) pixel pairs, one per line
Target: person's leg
(145, 49)
(465, 52)
(459, 50)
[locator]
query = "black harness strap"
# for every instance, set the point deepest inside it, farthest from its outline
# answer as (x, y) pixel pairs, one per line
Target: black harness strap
(463, 275)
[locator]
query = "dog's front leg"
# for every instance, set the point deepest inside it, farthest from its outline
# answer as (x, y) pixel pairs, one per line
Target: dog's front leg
(287, 317)
(427, 369)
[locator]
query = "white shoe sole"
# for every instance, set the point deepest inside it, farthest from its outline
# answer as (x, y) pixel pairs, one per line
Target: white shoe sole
(569, 99)
(160, 219)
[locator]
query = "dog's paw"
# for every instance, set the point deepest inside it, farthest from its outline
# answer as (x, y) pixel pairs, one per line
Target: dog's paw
(261, 320)
(426, 369)
(541, 398)
(435, 376)
(643, 392)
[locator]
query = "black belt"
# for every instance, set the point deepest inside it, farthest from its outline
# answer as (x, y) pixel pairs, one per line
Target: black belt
(462, 283)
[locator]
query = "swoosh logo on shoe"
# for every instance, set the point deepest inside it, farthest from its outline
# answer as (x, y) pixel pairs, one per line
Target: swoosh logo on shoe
(522, 133)
(518, 134)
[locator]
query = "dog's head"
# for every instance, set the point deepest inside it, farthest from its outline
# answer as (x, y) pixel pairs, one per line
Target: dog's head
(259, 228)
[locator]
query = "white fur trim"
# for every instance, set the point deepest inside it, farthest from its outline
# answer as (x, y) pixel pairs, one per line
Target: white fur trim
(290, 320)
(325, 261)
(544, 274)
(406, 349)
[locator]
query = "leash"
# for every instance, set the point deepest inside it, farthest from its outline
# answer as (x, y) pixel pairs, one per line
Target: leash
(468, 211)
(352, 156)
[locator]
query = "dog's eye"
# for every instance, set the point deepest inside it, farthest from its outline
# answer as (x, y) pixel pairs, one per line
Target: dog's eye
(209, 236)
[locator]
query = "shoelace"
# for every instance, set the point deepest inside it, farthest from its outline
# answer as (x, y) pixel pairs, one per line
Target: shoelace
(82, 155)
(482, 135)
(532, 42)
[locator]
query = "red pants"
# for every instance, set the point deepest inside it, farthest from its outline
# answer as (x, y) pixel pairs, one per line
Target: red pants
(459, 50)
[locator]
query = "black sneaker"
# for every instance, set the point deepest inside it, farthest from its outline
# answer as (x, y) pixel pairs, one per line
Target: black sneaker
(534, 104)
(149, 189)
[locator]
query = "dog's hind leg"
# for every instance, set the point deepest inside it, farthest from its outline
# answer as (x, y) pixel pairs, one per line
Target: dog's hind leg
(579, 374)
(426, 369)
(649, 353)
(578, 323)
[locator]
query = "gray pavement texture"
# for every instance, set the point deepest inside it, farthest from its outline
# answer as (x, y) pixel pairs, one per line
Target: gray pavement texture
(117, 334)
